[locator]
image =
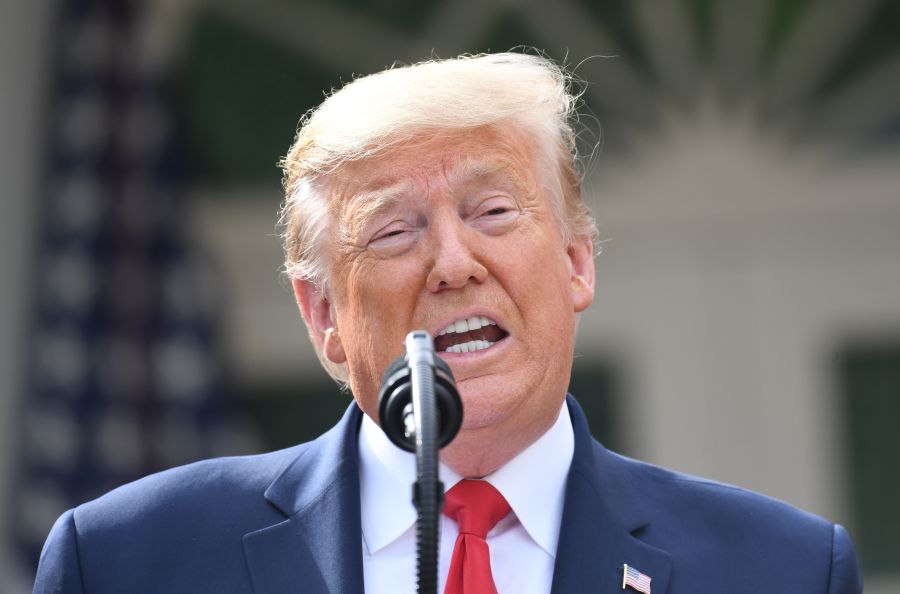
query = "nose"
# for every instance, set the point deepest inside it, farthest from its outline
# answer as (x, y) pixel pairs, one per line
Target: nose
(455, 262)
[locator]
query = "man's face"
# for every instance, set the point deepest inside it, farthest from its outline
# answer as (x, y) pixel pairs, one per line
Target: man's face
(456, 235)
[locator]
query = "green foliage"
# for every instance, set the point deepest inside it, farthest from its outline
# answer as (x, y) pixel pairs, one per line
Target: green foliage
(243, 96)
(871, 382)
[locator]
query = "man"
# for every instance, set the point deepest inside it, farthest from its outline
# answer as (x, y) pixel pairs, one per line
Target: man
(444, 196)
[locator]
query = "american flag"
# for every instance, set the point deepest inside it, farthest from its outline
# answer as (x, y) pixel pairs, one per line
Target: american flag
(633, 578)
(125, 376)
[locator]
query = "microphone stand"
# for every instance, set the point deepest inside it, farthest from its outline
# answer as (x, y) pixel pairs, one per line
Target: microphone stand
(428, 491)
(420, 410)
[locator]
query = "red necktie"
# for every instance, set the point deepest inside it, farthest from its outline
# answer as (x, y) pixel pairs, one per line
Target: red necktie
(477, 507)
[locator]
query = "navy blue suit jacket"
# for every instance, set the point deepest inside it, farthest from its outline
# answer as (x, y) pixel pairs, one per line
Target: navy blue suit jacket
(289, 521)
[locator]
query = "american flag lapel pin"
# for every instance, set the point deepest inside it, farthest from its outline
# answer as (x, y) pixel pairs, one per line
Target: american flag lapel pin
(635, 579)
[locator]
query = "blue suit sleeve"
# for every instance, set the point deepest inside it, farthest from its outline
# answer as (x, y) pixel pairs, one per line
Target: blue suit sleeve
(845, 575)
(59, 570)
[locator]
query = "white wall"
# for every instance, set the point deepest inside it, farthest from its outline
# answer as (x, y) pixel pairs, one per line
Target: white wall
(735, 270)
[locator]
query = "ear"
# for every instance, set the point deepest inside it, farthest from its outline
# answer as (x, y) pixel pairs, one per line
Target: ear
(317, 312)
(581, 258)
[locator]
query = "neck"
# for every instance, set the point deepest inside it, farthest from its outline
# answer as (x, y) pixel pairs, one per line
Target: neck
(476, 453)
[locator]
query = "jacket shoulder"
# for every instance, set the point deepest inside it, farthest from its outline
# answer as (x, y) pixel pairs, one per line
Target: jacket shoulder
(714, 528)
(183, 529)
(181, 526)
(697, 497)
(208, 485)
(675, 499)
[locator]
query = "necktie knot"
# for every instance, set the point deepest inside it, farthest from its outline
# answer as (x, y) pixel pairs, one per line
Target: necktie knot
(476, 506)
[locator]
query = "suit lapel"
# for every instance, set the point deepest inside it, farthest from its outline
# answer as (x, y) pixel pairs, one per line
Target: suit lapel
(318, 547)
(601, 517)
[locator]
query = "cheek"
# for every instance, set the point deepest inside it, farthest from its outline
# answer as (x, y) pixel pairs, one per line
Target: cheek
(383, 291)
(543, 292)
(375, 318)
(378, 306)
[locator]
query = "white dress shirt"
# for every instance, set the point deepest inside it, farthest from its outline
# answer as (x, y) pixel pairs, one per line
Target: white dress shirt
(522, 545)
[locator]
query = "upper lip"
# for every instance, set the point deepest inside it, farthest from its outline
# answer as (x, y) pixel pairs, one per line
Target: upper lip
(465, 316)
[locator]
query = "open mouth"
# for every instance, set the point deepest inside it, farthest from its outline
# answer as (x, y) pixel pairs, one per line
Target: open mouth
(468, 335)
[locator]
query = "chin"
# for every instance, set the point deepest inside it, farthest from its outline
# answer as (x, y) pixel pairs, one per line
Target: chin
(485, 406)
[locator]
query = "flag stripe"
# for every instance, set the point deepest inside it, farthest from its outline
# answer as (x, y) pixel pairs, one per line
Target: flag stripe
(636, 580)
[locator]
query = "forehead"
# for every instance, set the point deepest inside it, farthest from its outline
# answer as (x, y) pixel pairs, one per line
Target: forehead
(487, 153)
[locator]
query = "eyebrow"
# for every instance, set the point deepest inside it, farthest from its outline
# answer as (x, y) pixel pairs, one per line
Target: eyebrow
(469, 171)
(380, 197)
(371, 202)
(480, 170)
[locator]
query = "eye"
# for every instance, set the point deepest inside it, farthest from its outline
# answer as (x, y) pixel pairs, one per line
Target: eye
(393, 239)
(389, 232)
(495, 215)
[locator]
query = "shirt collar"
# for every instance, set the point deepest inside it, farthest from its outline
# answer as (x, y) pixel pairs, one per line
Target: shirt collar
(386, 475)
(534, 484)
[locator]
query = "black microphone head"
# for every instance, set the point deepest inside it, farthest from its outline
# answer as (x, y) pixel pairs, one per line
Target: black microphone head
(449, 404)
(394, 366)
(442, 365)
(395, 399)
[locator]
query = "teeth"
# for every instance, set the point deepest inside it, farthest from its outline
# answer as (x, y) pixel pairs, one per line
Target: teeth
(473, 323)
(469, 347)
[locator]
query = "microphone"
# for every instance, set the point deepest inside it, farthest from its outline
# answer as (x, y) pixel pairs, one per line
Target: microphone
(395, 400)
(420, 411)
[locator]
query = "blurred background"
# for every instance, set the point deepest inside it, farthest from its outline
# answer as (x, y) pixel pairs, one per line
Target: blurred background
(747, 186)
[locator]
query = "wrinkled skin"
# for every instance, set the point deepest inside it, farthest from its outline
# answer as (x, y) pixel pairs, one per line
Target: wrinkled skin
(451, 227)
